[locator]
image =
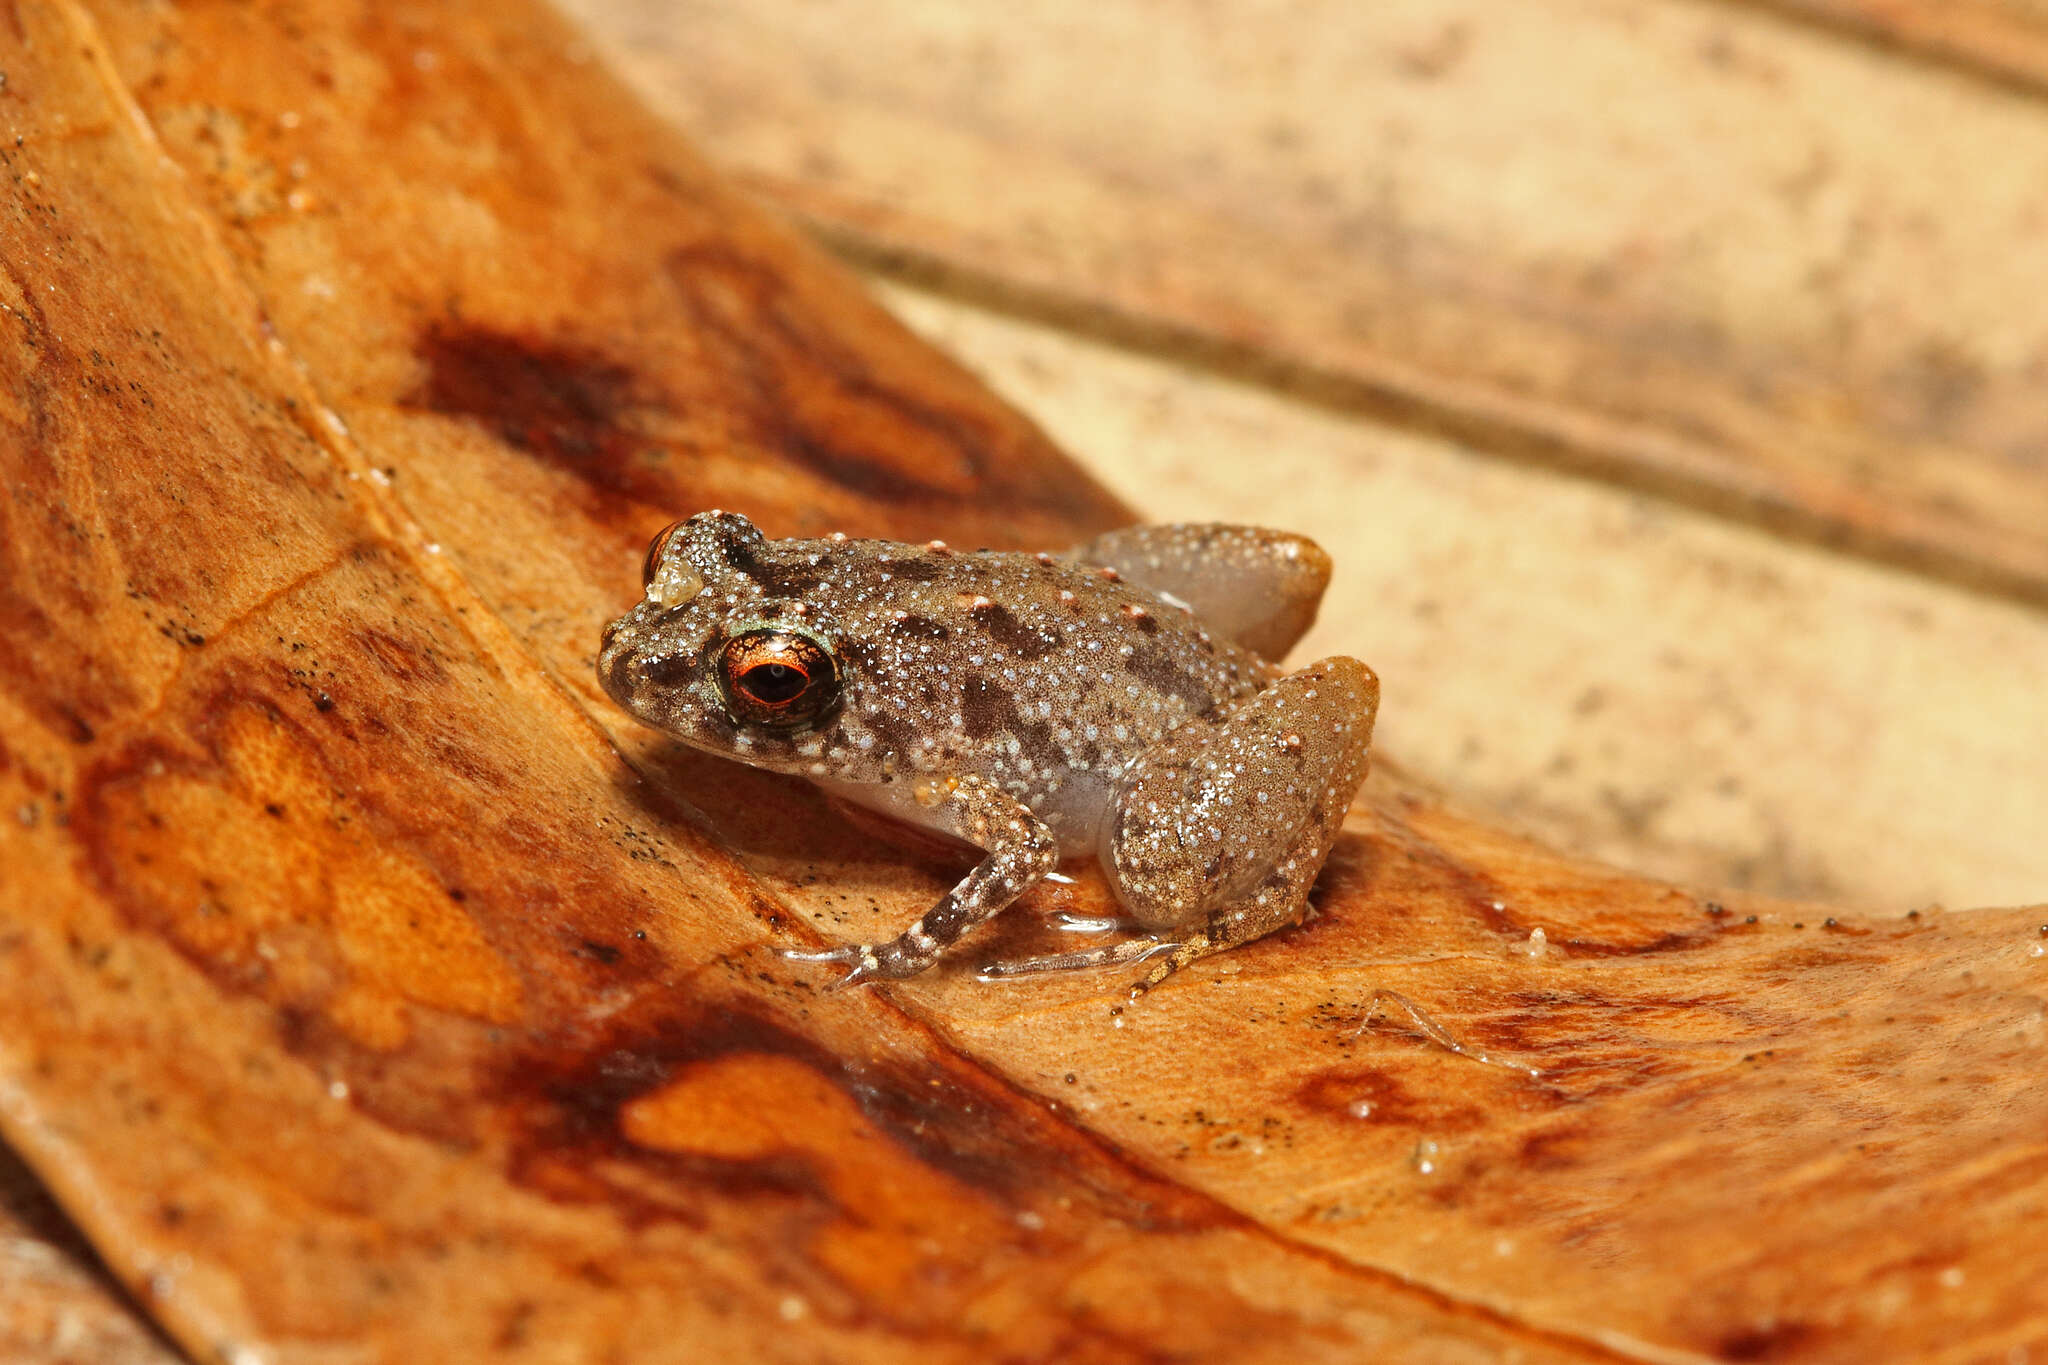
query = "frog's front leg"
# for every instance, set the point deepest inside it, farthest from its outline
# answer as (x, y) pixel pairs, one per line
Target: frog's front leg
(1021, 850)
(1219, 830)
(1258, 587)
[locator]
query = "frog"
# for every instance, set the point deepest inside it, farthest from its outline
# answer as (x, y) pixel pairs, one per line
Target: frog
(1120, 699)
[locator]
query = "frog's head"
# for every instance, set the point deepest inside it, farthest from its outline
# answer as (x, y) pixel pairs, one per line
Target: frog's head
(710, 656)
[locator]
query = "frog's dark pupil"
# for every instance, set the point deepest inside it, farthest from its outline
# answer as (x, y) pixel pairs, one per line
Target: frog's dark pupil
(774, 683)
(777, 678)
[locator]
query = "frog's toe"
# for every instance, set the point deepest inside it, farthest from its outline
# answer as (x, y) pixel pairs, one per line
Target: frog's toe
(1201, 945)
(862, 973)
(1068, 922)
(866, 966)
(850, 953)
(1152, 978)
(1109, 955)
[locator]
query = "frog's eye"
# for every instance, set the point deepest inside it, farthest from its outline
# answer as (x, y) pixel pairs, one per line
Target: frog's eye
(655, 548)
(777, 678)
(670, 584)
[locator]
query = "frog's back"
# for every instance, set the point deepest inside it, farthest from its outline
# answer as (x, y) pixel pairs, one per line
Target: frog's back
(1044, 676)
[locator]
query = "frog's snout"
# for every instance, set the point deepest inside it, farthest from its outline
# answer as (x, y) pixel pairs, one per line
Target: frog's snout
(617, 673)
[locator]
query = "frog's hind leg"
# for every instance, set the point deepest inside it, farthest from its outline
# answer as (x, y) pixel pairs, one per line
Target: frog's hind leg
(1258, 587)
(1219, 830)
(1278, 901)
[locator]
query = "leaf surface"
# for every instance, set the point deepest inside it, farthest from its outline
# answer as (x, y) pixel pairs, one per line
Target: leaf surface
(371, 990)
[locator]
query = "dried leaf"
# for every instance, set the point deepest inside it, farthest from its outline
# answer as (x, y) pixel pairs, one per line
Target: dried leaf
(57, 1306)
(371, 990)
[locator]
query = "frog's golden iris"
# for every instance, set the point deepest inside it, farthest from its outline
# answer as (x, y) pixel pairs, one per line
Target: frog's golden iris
(777, 677)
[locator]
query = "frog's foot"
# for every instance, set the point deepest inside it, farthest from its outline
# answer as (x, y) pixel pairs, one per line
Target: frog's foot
(891, 961)
(1280, 899)
(1108, 955)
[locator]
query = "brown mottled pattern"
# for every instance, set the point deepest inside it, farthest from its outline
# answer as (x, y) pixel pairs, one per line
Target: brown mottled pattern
(1030, 704)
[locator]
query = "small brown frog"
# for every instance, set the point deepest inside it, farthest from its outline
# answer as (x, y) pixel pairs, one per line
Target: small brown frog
(1116, 699)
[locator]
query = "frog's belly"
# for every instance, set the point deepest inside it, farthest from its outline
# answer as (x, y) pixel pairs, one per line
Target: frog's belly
(1073, 811)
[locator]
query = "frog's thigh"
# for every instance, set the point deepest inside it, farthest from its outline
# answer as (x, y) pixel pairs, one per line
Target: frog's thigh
(1220, 829)
(1258, 587)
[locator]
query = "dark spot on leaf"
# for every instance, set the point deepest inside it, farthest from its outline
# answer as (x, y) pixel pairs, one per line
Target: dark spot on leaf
(1775, 1342)
(560, 402)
